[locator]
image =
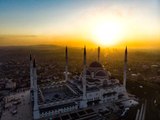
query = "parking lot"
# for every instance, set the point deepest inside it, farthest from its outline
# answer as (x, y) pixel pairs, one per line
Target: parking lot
(17, 107)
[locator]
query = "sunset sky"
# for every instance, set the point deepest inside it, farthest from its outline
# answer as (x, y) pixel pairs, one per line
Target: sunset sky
(77, 22)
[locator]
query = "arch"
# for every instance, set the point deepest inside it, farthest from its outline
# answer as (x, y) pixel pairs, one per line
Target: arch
(101, 73)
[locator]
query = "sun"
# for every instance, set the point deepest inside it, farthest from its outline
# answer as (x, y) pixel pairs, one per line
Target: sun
(107, 33)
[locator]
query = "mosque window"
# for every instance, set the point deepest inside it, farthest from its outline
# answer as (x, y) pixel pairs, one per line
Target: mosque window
(92, 75)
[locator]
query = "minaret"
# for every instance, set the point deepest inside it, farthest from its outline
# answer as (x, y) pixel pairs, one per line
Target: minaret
(125, 68)
(31, 74)
(36, 114)
(84, 74)
(83, 103)
(66, 66)
(98, 54)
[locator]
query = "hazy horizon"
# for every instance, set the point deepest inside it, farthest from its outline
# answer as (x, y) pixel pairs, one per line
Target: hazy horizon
(76, 23)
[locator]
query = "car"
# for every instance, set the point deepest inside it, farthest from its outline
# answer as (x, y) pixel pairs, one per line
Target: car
(14, 112)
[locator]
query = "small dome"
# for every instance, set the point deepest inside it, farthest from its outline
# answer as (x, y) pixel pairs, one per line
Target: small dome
(95, 64)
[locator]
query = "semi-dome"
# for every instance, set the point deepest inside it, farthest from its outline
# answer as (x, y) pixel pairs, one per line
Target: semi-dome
(101, 73)
(95, 64)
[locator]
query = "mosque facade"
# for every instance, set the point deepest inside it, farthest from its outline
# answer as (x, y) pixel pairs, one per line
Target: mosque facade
(94, 86)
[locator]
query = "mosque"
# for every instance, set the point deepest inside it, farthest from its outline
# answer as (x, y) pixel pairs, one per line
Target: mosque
(81, 94)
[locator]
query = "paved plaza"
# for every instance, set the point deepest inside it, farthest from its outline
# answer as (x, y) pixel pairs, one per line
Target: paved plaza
(23, 109)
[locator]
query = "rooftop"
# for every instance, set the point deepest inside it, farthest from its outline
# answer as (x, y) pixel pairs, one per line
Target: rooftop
(92, 89)
(57, 93)
(56, 107)
(95, 64)
(85, 114)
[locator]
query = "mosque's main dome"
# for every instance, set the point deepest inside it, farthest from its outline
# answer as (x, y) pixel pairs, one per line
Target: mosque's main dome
(95, 64)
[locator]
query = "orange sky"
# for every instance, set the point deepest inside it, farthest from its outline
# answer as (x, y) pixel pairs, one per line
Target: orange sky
(16, 40)
(93, 23)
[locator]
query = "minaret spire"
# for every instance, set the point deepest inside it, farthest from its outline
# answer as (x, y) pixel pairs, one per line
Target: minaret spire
(84, 74)
(84, 58)
(125, 68)
(36, 113)
(83, 103)
(98, 54)
(31, 74)
(66, 66)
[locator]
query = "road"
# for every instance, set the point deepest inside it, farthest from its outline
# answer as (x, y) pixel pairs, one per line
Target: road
(148, 92)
